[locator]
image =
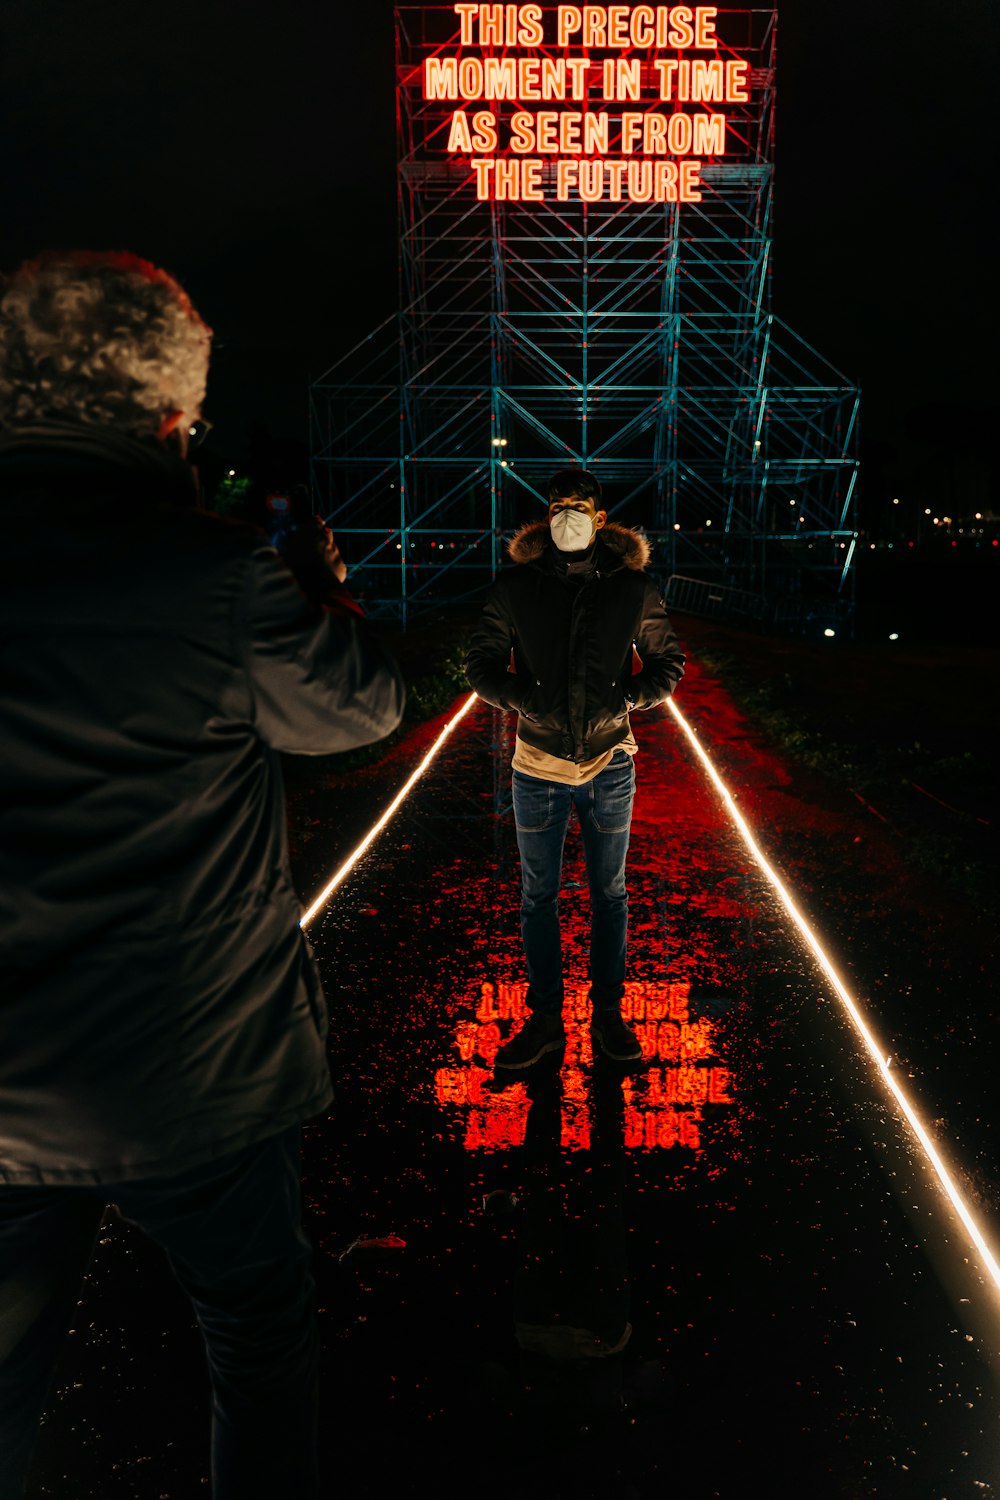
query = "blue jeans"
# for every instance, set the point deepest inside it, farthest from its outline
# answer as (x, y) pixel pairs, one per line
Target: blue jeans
(541, 815)
(234, 1241)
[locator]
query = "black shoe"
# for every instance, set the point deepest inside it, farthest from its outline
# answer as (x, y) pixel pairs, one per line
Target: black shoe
(538, 1035)
(614, 1038)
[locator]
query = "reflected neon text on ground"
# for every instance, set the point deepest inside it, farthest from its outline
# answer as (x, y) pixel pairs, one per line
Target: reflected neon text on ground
(663, 1104)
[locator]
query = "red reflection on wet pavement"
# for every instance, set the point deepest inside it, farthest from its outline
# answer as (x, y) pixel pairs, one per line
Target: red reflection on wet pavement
(664, 1102)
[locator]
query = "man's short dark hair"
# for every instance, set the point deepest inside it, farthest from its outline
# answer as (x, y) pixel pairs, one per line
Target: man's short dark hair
(575, 484)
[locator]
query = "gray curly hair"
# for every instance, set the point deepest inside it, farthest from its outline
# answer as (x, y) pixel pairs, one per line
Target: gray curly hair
(102, 338)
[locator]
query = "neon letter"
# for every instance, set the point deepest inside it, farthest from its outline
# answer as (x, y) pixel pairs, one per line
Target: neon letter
(579, 67)
(531, 181)
(631, 131)
(595, 134)
(679, 133)
(531, 33)
(707, 81)
(466, 13)
(640, 181)
(529, 70)
(553, 78)
(569, 132)
(508, 179)
(681, 32)
(618, 27)
(629, 78)
(570, 20)
(736, 82)
(482, 170)
(666, 70)
(441, 78)
(595, 33)
(470, 78)
(704, 27)
(566, 176)
(490, 25)
(522, 132)
(460, 136)
(690, 181)
(665, 182)
(499, 78)
(654, 135)
(709, 135)
(546, 122)
(484, 131)
(643, 27)
(616, 171)
(591, 181)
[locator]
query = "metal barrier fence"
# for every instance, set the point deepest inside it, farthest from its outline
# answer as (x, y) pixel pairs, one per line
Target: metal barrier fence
(697, 596)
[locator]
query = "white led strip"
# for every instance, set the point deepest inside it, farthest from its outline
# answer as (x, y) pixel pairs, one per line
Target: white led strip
(816, 948)
(373, 832)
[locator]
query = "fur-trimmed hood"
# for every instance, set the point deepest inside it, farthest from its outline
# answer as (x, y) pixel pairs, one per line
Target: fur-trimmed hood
(629, 547)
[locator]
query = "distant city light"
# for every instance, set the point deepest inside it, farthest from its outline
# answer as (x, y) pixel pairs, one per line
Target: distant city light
(894, 636)
(708, 523)
(677, 525)
(829, 632)
(232, 473)
(895, 502)
(926, 512)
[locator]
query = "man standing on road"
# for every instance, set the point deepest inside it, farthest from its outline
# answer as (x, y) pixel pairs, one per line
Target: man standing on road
(570, 611)
(163, 1024)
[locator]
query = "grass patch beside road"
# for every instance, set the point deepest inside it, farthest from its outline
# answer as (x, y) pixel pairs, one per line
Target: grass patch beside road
(912, 734)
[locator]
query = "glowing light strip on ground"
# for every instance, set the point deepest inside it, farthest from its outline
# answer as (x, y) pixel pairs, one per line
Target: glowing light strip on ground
(373, 832)
(813, 943)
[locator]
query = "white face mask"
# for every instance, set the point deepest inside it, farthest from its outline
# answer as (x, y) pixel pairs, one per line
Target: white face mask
(571, 530)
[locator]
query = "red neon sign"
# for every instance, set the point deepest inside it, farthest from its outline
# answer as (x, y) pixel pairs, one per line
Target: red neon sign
(600, 150)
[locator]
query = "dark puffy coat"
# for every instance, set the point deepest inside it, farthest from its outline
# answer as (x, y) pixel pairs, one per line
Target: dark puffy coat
(159, 1006)
(572, 641)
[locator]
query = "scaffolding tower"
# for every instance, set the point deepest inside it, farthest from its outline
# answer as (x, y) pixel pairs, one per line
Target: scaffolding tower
(632, 339)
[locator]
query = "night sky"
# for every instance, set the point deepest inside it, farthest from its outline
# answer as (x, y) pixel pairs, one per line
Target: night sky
(251, 151)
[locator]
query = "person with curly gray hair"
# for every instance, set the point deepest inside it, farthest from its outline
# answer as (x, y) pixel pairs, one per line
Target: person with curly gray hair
(103, 340)
(163, 1021)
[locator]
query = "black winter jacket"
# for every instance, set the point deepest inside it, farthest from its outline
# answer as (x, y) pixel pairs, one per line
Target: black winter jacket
(159, 1005)
(572, 641)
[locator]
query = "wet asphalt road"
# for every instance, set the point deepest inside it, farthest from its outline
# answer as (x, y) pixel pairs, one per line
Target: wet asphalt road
(743, 1219)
